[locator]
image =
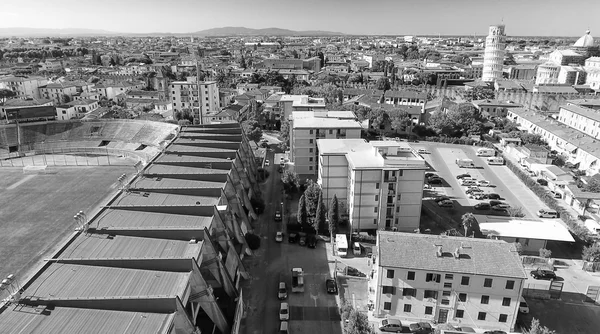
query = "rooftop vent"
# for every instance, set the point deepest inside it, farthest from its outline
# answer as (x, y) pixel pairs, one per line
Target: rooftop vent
(457, 252)
(439, 250)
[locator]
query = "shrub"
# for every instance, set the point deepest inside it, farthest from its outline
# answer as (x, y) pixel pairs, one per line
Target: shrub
(258, 204)
(253, 241)
(545, 253)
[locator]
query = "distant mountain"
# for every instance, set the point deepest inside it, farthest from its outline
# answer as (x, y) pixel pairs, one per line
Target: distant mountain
(243, 31)
(43, 32)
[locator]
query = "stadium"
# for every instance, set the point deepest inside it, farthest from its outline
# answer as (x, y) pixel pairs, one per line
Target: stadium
(124, 226)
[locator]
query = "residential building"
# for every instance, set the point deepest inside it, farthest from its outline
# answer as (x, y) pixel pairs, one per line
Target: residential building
(82, 107)
(494, 54)
(20, 103)
(284, 105)
(380, 182)
(51, 65)
(454, 280)
(521, 72)
(307, 128)
(494, 108)
(199, 97)
(57, 91)
(24, 87)
(580, 118)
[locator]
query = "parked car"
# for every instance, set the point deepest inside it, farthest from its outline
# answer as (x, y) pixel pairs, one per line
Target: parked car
(484, 183)
(499, 208)
(292, 238)
(543, 213)
(523, 306)
(391, 325)
(331, 286)
(542, 182)
(279, 237)
(540, 273)
(421, 328)
(480, 196)
(441, 198)
(465, 329)
(302, 241)
(423, 151)
(311, 241)
(429, 174)
(267, 163)
(471, 187)
(277, 215)
(555, 194)
(482, 206)
(494, 203)
(282, 292)
(435, 181)
(446, 204)
(493, 196)
(473, 191)
(462, 176)
(283, 328)
(284, 311)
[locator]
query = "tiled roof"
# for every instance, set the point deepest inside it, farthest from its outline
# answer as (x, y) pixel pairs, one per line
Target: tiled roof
(419, 251)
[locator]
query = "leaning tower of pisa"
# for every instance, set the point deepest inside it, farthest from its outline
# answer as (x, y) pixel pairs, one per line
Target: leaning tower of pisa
(494, 54)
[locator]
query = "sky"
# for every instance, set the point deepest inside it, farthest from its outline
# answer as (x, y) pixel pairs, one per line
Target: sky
(368, 17)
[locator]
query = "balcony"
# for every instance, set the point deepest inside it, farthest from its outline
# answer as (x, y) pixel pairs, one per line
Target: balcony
(390, 179)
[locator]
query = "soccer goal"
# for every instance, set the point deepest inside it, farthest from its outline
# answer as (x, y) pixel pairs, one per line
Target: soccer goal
(35, 169)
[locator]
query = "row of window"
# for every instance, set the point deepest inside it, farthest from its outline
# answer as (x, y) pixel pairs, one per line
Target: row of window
(457, 314)
(464, 280)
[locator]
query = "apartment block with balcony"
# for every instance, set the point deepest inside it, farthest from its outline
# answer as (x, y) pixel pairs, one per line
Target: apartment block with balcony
(381, 182)
(307, 128)
(24, 87)
(198, 97)
(466, 282)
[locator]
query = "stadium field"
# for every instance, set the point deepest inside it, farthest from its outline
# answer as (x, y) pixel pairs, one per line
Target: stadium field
(36, 210)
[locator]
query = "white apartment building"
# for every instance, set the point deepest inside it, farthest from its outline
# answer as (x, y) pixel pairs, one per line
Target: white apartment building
(455, 280)
(24, 87)
(284, 105)
(592, 68)
(581, 118)
(199, 97)
(55, 91)
(381, 182)
(307, 127)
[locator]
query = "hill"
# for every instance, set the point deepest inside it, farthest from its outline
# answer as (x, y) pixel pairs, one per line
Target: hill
(243, 31)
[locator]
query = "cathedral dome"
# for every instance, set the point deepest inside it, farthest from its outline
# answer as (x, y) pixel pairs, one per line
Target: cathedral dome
(585, 40)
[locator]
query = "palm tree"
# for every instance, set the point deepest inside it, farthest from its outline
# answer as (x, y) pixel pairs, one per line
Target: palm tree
(468, 222)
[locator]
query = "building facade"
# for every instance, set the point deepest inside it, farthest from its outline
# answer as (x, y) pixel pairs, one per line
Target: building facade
(199, 97)
(493, 59)
(466, 282)
(580, 118)
(24, 87)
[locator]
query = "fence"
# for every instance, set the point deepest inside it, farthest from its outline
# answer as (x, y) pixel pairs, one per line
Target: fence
(74, 156)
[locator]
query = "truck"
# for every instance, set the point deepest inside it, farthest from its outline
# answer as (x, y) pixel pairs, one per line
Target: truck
(486, 152)
(341, 245)
(465, 163)
(495, 161)
(297, 280)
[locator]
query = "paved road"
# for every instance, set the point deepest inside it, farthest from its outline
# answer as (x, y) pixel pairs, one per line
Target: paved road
(312, 311)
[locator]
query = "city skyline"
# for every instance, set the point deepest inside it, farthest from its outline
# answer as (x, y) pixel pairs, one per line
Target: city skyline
(381, 17)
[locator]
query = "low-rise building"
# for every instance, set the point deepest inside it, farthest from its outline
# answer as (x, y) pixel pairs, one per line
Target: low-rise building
(580, 118)
(24, 87)
(20, 103)
(455, 280)
(381, 182)
(494, 108)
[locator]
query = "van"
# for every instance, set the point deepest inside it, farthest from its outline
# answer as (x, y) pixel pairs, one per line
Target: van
(468, 182)
(543, 213)
(356, 250)
(486, 152)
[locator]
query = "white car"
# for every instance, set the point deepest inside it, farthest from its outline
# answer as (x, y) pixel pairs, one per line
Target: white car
(282, 291)
(423, 151)
(267, 163)
(284, 312)
(279, 237)
(484, 183)
(523, 306)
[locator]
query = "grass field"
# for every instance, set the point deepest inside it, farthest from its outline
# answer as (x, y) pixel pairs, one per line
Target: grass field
(36, 211)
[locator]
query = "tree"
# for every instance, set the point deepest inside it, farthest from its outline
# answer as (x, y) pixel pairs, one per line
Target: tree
(468, 222)
(519, 248)
(321, 214)
(302, 213)
(593, 185)
(591, 253)
(400, 120)
(383, 84)
(291, 181)
(64, 98)
(545, 253)
(536, 328)
(515, 211)
(357, 323)
(461, 120)
(478, 93)
(252, 129)
(6, 94)
(333, 216)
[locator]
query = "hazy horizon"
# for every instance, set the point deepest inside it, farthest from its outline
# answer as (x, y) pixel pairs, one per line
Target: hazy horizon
(378, 17)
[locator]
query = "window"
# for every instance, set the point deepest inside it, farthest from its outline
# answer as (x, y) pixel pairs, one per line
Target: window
(430, 294)
(485, 299)
(376, 198)
(376, 185)
(448, 285)
(445, 301)
(505, 301)
(448, 276)
(464, 280)
(330, 131)
(400, 172)
(510, 284)
(446, 293)
(433, 277)
(481, 316)
(409, 292)
(375, 209)
(459, 313)
(387, 306)
(310, 150)
(310, 132)
(428, 310)
(386, 289)
(174, 104)
(390, 273)
(310, 141)
(502, 317)
(462, 297)
(407, 307)
(310, 167)
(487, 283)
(410, 276)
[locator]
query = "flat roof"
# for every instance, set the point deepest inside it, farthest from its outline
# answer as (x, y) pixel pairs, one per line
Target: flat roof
(142, 198)
(340, 146)
(543, 229)
(478, 256)
(583, 111)
(325, 123)
(169, 169)
(119, 218)
(167, 182)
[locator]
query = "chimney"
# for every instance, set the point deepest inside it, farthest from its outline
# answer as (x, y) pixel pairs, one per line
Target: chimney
(458, 251)
(439, 250)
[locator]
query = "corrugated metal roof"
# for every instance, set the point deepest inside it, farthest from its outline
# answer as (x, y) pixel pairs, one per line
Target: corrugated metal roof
(99, 246)
(79, 281)
(166, 182)
(189, 158)
(115, 218)
(154, 199)
(188, 148)
(65, 320)
(168, 169)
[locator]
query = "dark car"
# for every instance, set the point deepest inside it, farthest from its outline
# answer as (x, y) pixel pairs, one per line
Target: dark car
(331, 286)
(277, 215)
(462, 176)
(441, 198)
(499, 208)
(421, 328)
(542, 182)
(311, 241)
(302, 241)
(543, 274)
(494, 203)
(292, 238)
(494, 332)
(493, 196)
(482, 206)
(428, 175)
(435, 181)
